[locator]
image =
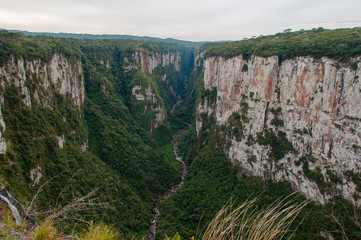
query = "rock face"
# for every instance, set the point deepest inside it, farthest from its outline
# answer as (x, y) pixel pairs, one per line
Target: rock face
(58, 75)
(315, 102)
(152, 103)
(3, 145)
(150, 60)
(35, 175)
(59, 72)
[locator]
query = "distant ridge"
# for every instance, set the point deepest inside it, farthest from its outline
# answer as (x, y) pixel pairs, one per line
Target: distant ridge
(110, 36)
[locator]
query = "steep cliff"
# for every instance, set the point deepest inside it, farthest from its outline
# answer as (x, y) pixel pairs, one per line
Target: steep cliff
(150, 60)
(154, 78)
(144, 88)
(40, 81)
(297, 120)
(145, 100)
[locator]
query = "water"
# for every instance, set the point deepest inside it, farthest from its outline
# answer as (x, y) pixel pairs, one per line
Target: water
(8, 199)
(175, 105)
(156, 212)
(14, 206)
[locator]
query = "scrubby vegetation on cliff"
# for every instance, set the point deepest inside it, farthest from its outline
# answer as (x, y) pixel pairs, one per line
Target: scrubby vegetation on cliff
(318, 42)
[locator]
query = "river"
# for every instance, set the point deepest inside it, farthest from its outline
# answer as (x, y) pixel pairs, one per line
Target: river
(152, 230)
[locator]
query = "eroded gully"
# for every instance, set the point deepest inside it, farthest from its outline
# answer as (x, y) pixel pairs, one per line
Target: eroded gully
(152, 230)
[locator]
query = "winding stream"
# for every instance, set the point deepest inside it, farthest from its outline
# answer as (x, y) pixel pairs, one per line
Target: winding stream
(152, 230)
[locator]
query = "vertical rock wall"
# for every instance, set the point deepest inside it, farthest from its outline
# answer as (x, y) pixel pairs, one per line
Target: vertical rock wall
(315, 102)
(150, 60)
(39, 81)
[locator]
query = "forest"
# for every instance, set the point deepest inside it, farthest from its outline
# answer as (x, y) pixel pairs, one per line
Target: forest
(339, 44)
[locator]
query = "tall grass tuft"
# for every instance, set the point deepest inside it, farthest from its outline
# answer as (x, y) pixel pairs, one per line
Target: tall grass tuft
(244, 222)
(100, 232)
(46, 231)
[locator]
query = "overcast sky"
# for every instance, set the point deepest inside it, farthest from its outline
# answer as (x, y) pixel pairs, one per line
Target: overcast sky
(196, 20)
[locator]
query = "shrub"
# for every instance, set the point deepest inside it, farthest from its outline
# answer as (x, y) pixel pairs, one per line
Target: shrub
(175, 237)
(245, 68)
(277, 122)
(279, 143)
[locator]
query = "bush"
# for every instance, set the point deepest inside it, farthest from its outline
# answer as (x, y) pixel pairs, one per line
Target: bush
(279, 143)
(245, 68)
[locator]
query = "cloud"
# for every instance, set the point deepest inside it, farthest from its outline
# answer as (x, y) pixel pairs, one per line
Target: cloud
(184, 19)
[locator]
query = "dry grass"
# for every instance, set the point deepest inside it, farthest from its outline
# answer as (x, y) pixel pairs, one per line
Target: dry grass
(244, 222)
(100, 232)
(45, 231)
(69, 206)
(77, 208)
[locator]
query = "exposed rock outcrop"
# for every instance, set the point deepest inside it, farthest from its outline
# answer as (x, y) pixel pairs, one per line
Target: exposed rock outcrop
(150, 60)
(59, 72)
(315, 102)
(151, 103)
(3, 145)
(35, 175)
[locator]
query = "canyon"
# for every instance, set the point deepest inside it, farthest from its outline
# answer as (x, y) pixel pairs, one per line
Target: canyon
(101, 115)
(61, 76)
(71, 108)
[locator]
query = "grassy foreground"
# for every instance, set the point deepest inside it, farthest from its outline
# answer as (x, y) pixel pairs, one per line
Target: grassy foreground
(234, 223)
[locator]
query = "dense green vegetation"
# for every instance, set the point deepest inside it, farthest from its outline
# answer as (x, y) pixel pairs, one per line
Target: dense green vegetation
(339, 44)
(279, 143)
(119, 127)
(110, 36)
(43, 47)
(34, 48)
(184, 114)
(212, 181)
(69, 170)
(126, 163)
